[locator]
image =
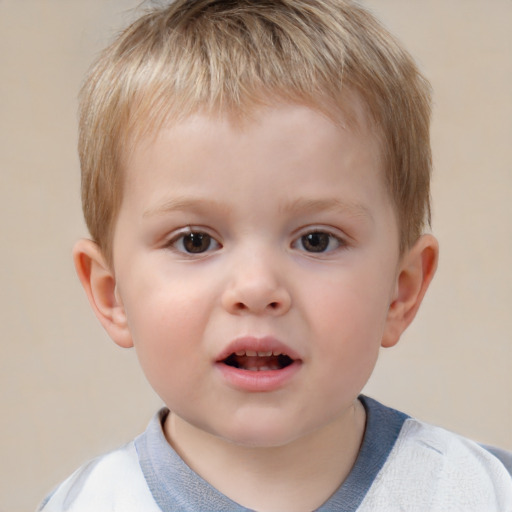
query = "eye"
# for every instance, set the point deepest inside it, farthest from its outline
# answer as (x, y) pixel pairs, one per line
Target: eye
(318, 241)
(194, 242)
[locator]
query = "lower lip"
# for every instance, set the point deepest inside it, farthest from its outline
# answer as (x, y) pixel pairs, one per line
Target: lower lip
(258, 381)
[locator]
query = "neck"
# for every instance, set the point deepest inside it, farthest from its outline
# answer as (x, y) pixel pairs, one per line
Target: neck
(298, 476)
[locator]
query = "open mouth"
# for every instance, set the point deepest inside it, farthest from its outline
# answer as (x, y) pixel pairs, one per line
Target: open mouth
(257, 361)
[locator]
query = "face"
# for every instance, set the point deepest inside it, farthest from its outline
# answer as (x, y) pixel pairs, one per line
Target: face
(256, 264)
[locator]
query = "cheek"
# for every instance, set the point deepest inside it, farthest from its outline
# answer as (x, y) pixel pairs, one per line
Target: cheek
(167, 326)
(349, 317)
(162, 309)
(347, 350)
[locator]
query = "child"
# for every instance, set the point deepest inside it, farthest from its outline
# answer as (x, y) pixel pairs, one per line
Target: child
(255, 179)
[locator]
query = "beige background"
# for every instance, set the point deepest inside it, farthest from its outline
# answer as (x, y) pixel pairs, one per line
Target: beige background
(67, 394)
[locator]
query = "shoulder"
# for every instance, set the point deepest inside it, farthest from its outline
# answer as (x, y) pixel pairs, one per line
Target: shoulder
(113, 482)
(504, 456)
(442, 471)
(459, 455)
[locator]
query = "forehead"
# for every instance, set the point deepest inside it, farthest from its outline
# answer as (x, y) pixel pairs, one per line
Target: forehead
(278, 144)
(348, 113)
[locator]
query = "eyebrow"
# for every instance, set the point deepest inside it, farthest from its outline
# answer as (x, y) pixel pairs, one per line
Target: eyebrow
(353, 209)
(299, 206)
(198, 205)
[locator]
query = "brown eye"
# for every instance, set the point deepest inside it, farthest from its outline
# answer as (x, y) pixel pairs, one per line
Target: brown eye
(194, 242)
(318, 241)
(315, 242)
(197, 242)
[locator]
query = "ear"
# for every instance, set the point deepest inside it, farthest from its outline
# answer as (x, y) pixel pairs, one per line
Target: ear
(416, 270)
(99, 284)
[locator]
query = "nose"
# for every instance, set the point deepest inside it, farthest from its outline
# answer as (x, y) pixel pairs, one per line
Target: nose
(256, 288)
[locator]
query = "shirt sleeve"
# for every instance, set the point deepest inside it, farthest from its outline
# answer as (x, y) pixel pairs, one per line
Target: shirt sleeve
(503, 456)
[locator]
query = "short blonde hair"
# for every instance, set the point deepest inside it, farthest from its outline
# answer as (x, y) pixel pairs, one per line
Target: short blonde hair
(233, 55)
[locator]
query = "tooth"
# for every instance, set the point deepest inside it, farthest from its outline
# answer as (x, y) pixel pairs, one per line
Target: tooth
(265, 354)
(250, 353)
(255, 369)
(264, 368)
(276, 352)
(240, 353)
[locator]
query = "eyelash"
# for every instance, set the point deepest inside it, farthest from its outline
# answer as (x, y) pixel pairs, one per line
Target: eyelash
(194, 238)
(319, 239)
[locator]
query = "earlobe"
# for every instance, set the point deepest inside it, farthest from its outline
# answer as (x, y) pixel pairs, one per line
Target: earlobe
(99, 284)
(417, 268)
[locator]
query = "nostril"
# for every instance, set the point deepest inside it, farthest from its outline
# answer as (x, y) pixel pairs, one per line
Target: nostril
(264, 302)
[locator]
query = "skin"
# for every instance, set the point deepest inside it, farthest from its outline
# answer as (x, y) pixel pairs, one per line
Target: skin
(300, 246)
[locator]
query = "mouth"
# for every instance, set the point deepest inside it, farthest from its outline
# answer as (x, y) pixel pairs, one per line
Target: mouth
(258, 361)
(253, 364)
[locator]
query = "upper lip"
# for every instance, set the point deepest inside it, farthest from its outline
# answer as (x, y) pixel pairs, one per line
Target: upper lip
(260, 346)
